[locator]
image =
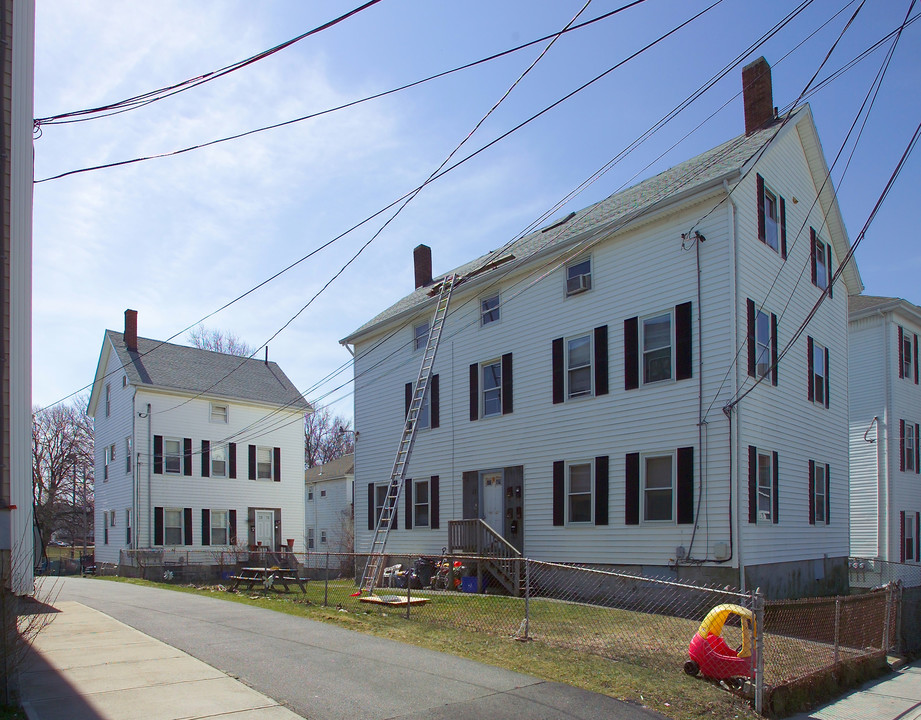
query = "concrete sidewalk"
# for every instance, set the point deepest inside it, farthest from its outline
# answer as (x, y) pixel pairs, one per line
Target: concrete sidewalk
(87, 666)
(893, 697)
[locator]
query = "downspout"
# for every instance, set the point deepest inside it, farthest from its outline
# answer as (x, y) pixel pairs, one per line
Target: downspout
(5, 465)
(882, 450)
(733, 417)
(134, 474)
(149, 479)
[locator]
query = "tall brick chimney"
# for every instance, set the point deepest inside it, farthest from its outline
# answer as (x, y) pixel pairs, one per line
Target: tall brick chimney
(422, 263)
(757, 94)
(131, 329)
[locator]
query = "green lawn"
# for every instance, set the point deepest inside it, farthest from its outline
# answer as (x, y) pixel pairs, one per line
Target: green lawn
(631, 656)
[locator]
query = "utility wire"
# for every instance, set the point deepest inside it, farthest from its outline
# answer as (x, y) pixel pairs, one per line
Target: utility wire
(152, 96)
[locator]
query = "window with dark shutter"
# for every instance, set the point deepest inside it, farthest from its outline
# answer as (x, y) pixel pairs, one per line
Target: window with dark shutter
(632, 489)
(601, 490)
(683, 343)
(685, 489)
(559, 492)
(205, 458)
(205, 526)
(631, 354)
(158, 526)
(158, 456)
(601, 360)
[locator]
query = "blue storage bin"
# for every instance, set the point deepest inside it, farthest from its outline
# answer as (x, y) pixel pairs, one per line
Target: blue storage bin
(469, 584)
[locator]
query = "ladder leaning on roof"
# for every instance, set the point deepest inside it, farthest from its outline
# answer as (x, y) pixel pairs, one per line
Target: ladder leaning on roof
(398, 475)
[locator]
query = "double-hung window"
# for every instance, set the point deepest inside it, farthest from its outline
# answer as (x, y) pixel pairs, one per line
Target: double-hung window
(821, 266)
(218, 461)
(264, 463)
(906, 369)
(763, 349)
(765, 487)
(108, 399)
(219, 527)
(819, 500)
(771, 219)
(107, 462)
(310, 539)
(909, 536)
(579, 276)
(492, 388)
(817, 364)
(172, 456)
(579, 366)
(421, 503)
(420, 335)
(380, 498)
(579, 492)
(489, 310)
(172, 526)
(657, 348)
(128, 454)
(658, 488)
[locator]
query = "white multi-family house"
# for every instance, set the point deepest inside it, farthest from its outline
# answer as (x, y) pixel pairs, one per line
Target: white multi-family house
(194, 449)
(328, 501)
(885, 403)
(617, 388)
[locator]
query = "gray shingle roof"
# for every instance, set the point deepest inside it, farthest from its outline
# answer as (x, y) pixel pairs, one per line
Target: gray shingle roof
(192, 370)
(337, 468)
(686, 177)
(858, 304)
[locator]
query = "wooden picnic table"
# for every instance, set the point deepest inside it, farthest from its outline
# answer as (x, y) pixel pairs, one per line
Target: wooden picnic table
(280, 577)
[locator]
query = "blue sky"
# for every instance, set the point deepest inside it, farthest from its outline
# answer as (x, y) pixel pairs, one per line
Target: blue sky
(176, 238)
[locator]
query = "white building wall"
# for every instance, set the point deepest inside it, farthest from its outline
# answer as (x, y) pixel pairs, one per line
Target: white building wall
(782, 418)
(178, 416)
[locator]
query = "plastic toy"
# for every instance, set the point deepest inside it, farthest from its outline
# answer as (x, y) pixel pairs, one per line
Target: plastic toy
(712, 657)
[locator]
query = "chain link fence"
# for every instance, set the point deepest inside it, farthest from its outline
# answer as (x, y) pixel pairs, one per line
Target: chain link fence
(868, 573)
(627, 618)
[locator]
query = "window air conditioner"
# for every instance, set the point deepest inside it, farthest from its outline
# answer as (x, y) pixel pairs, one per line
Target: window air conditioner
(578, 284)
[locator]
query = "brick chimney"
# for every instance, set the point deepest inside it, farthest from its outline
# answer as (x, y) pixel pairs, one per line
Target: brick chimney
(131, 329)
(757, 95)
(422, 263)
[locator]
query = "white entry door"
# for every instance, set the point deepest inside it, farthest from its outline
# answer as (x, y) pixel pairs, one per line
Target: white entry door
(493, 500)
(265, 528)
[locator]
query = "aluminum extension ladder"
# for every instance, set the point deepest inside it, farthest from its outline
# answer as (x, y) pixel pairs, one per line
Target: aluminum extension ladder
(398, 475)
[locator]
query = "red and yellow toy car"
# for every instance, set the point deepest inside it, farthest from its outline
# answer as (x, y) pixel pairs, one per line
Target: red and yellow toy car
(712, 657)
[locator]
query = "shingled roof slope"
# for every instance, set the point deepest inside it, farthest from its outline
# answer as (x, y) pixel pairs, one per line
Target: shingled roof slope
(340, 467)
(192, 370)
(720, 162)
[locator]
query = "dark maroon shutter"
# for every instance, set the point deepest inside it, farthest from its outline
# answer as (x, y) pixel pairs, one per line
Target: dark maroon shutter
(783, 229)
(775, 510)
(206, 458)
(901, 445)
(901, 358)
(186, 456)
(408, 489)
(205, 526)
(760, 185)
(773, 349)
(559, 492)
(558, 372)
(252, 462)
(683, 344)
(474, 391)
(232, 530)
(371, 506)
(232, 451)
(601, 360)
(158, 526)
(752, 484)
(750, 312)
(827, 376)
(812, 492)
(277, 452)
(917, 449)
(827, 495)
(632, 489)
(685, 490)
(631, 353)
(811, 368)
(901, 536)
(829, 269)
(434, 504)
(187, 517)
(916, 359)
(507, 384)
(158, 455)
(812, 251)
(601, 490)
(434, 403)
(918, 536)
(408, 399)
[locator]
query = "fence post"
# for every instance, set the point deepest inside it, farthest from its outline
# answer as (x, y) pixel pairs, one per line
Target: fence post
(886, 633)
(837, 629)
(409, 592)
(326, 582)
(758, 602)
(527, 597)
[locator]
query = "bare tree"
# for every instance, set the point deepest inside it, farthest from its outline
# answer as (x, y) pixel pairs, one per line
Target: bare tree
(62, 467)
(220, 341)
(327, 436)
